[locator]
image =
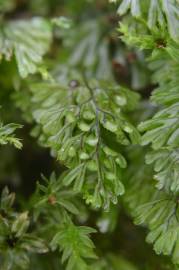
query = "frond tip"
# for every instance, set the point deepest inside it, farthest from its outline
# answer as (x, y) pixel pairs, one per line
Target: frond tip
(7, 135)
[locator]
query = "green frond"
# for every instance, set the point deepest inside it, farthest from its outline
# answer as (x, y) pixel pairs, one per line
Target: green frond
(53, 194)
(166, 168)
(158, 210)
(16, 243)
(96, 88)
(161, 217)
(28, 40)
(156, 14)
(76, 121)
(75, 244)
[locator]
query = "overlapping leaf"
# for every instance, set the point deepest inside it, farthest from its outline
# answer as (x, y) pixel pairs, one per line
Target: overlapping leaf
(28, 40)
(76, 245)
(158, 41)
(161, 217)
(159, 13)
(53, 195)
(76, 122)
(89, 49)
(166, 168)
(15, 241)
(159, 210)
(163, 129)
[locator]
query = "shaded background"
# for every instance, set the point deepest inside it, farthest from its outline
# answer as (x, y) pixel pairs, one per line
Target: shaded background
(92, 20)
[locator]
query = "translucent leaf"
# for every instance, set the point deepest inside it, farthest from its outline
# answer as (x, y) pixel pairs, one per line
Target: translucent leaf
(75, 244)
(156, 11)
(28, 40)
(132, 4)
(162, 129)
(161, 216)
(74, 130)
(166, 167)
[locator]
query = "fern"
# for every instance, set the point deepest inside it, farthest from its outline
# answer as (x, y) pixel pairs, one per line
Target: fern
(7, 136)
(161, 217)
(160, 212)
(75, 129)
(53, 194)
(95, 88)
(156, 13)
(75, 244)
(16, 242)
(21, 38)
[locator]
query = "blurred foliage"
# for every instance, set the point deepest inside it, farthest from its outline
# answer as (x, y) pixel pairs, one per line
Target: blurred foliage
(84, 149)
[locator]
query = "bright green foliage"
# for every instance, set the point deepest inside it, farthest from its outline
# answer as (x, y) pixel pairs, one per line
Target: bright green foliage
(159, 211)
(53, 199)
(77, 76)
(75, 119)
(166, 168)
(28, 40)
(161, 216)
(16, 243)
(75, 244)
(53, 193)
(157, 13)
(162, 129)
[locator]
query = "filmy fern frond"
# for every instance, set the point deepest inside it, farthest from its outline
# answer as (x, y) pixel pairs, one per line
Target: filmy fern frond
(76, 121)
(161, 217)
(162, 130)
(28, 41)
(166, 168)
(156, 13)
(75, 244)
(158, 210)
(70, 78)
